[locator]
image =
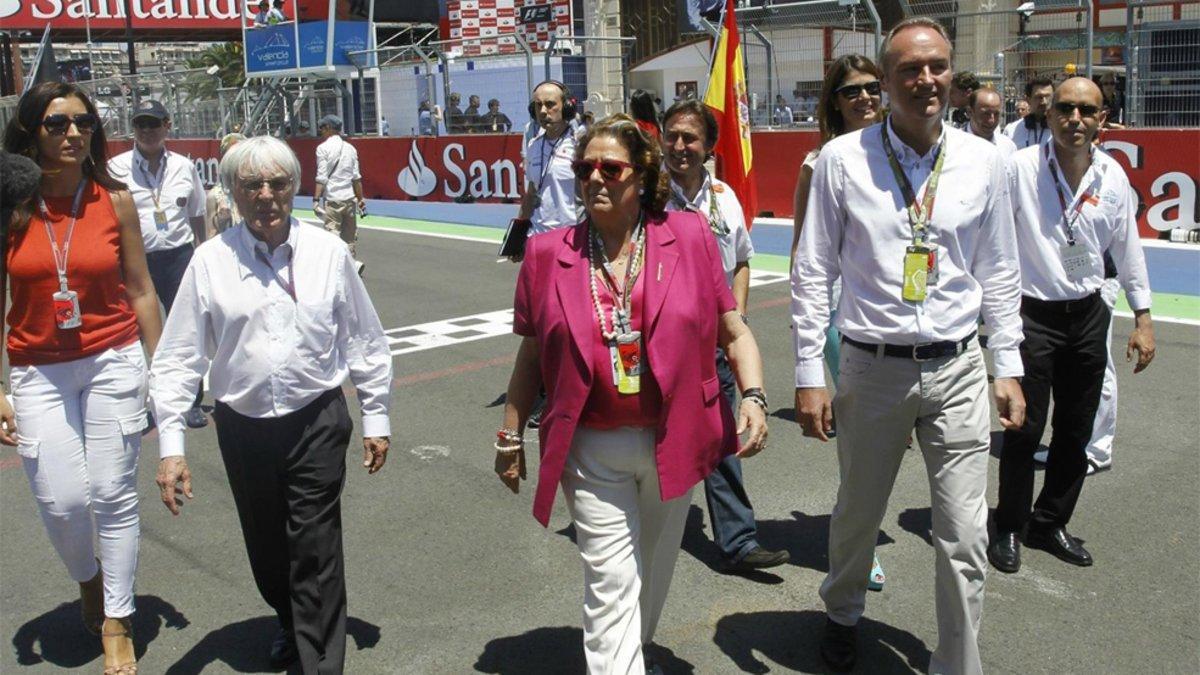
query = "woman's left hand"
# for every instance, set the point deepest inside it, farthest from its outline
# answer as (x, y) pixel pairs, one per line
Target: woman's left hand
(752, 417)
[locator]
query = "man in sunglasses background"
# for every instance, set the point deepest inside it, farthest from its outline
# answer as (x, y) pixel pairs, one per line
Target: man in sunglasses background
(985, 107)
(170, 199)
(1031, 128)
(1071, 204)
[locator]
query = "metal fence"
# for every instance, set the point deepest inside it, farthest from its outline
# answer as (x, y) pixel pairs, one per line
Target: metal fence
(1162, 50)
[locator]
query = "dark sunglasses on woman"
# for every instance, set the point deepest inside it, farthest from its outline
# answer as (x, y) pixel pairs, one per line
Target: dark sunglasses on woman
(610, 169)
(852, 91)
(59, 123)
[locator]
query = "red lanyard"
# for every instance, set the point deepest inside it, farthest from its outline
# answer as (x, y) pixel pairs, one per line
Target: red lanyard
(1068, 221)
(61, 254)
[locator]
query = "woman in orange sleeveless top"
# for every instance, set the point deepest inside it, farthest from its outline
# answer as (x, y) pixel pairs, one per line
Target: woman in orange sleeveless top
(81, 299)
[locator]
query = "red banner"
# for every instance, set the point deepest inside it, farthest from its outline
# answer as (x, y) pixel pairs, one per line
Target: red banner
(147, 14)
(1163, 166)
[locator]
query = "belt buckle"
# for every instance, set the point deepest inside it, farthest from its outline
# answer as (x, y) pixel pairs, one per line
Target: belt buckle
(916, 353)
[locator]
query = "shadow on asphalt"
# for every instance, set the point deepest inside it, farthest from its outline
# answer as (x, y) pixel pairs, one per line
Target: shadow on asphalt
(543, 651)
(244, 646)
(59, 638)
(790, 640)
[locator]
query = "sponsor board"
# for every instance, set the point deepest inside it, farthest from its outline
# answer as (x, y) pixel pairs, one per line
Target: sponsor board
(156, 14)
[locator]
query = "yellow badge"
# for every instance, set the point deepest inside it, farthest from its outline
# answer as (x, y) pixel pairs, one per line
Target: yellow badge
(916, 274)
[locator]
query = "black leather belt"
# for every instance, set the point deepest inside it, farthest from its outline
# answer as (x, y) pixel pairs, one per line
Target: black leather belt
(1061, 306)
(923, 352)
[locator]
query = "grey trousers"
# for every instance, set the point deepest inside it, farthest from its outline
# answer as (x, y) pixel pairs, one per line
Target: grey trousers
(879, 402)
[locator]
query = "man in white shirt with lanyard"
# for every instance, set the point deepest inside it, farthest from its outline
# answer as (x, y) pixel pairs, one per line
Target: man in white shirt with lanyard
(276, 314)
(171, 203)
(915, 280)
(549, 200)
(985, 107)
(1031, 129)
(1072, 203)
(338, 195)
(689, 134)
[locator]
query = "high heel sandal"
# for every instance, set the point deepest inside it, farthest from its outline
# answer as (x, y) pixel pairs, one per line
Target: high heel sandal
(108, 642)
(91, 601)
(875, 581)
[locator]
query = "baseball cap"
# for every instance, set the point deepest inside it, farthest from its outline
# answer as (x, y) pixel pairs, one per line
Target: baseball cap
(150, 108)
(332, 121)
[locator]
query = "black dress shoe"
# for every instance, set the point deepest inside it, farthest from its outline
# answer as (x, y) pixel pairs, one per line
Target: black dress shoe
(839, 646)
(759, 559)
(1058, 543)
(1004, 553)
(283, 651)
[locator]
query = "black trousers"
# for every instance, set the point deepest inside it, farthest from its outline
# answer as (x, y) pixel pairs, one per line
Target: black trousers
(286, 474)
(166, 271)
(1065, 353)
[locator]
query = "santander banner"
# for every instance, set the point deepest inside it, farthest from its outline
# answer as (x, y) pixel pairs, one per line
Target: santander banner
(1163, 165)
(157, 14)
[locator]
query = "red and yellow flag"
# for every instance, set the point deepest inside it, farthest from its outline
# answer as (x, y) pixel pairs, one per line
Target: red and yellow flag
(729, 100)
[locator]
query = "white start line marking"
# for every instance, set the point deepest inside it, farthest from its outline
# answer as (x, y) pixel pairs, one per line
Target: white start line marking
(447, 332)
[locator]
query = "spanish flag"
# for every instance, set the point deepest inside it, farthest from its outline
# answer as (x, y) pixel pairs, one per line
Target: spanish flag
(727, 96)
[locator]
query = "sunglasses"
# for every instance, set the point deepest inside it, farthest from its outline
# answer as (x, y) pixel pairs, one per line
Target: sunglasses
(610, 169)
(1085, 109)
(255, 186)
(147, 123)
(59, 123)
(853, 91)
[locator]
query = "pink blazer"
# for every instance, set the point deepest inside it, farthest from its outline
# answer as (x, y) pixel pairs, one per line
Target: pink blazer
(685, 293)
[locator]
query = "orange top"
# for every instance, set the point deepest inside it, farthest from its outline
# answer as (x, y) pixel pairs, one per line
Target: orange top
(93, 271)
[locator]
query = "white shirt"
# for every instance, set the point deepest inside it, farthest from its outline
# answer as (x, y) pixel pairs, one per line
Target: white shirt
(1003, 143)
(1023, 136)
(270, 355)
(856, 225)
(176, 189)
(548, 166)
(734, 239)
(337, 168)
(1107, 221)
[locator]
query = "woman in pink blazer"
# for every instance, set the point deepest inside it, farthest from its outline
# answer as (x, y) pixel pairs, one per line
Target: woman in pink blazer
(620, 315)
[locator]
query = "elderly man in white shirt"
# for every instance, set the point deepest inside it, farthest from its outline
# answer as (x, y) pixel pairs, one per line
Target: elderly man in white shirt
(689, 135)
(1072, 203)
(338, 195)
(275, 313)
(985, 108)
(914, 282)
(171, 204)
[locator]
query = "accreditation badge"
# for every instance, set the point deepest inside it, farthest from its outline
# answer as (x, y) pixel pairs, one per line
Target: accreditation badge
(1077, 261)
(629, 362)
(916, 273)
(66, 310)
(160, 219)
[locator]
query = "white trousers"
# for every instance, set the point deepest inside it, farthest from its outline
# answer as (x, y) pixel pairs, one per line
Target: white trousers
(879, 401)
(628, 539)
(79, 427)
(1104, 429)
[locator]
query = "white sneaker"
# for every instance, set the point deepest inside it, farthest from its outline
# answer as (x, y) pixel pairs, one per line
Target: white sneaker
(1040, 456)
(359, 266)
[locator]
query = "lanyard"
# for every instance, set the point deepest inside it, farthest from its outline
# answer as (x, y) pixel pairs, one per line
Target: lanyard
(919, 212)
(290, 284)
(716, 222)
(545, 162)
(61, 255)
(151, 181)
(1068, 220)
(622, 298)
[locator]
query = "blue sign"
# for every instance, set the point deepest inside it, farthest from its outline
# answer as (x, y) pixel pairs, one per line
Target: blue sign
(313, 43)
(349, 36)
(270, 48)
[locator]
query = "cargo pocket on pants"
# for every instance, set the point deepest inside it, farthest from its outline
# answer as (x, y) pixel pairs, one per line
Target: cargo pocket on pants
(29, 448)
(133, 425)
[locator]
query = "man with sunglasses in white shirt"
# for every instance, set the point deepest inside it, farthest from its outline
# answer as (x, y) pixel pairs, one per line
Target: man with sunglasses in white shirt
(171, 203)
(918, 267)
(1071, 203)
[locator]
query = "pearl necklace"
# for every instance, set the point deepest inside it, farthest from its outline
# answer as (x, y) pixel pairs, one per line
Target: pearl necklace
(620, 305)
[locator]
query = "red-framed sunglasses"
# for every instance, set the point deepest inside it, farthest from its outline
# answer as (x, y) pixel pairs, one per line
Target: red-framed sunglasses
(610, 169)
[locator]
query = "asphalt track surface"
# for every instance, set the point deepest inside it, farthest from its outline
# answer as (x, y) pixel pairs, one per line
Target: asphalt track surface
(448, 572)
